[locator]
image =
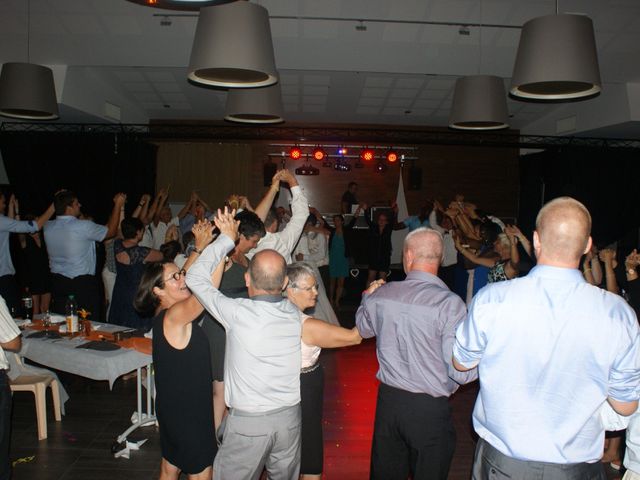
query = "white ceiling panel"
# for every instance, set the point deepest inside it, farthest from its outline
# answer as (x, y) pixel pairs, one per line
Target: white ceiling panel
(329, 71)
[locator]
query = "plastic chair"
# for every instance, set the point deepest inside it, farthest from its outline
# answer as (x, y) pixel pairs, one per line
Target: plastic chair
(37, 384)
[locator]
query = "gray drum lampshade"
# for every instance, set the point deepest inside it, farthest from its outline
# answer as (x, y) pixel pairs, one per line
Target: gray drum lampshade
(27, 91)
(233, 48)
(479, 103)
(254, 105)
(557, 59)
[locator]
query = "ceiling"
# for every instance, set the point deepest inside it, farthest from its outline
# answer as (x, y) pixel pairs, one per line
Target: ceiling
(114, 60)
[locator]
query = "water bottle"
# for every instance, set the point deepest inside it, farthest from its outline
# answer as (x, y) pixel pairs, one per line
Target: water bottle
(27, 304)
(71, 310)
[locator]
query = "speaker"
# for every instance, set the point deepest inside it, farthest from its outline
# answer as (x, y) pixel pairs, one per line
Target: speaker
(415, 178)
(270, 170)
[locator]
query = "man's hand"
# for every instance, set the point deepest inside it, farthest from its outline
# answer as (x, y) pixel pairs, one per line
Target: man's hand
(376, 284)
(203, 234)
(227, 224)
(607, 255)
(289, 178)
(120, 199)
(145, 199)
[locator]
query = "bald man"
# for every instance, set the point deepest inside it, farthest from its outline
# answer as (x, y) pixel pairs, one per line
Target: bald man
(414, 323)
(550, 350)
(262, 364)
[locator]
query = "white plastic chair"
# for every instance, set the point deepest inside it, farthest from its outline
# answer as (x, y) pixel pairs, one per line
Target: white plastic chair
(37, 384)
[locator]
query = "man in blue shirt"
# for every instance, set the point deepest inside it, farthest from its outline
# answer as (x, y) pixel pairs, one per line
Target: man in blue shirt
(8, 224)
(414, 322)
(72, 252)
(550, 350)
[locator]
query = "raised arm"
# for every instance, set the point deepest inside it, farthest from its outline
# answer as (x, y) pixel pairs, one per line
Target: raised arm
(142, 208)
(322, 334)
(299, 212)
(608, 257)
(114, 219)
(188, 206)
(513, 265)
(472, 257)
(199, 275)
(522, 238)
(184, 312)
(265, 204)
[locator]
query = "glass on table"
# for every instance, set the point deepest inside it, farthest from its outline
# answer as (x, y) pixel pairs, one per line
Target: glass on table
(46, 320)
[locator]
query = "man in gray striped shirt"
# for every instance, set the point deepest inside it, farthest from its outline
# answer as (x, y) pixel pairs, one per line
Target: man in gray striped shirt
(414, 322)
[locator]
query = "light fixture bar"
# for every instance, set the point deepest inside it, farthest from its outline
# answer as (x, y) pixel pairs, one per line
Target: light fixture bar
(366, 20)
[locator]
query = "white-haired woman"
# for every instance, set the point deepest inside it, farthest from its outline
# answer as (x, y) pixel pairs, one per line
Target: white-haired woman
(302, 291)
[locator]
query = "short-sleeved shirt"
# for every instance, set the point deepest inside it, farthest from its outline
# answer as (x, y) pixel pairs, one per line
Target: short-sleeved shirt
(551, 348)
(7, 226)
(71, 245)
(8, 331)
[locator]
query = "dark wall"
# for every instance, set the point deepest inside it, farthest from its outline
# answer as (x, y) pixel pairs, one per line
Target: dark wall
(605, 180)
(92, 165)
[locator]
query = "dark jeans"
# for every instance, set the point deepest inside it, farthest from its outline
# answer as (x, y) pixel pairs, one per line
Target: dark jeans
(5, 426)
(86, 290)
(491, 464)
(11, 294)
(413, 434)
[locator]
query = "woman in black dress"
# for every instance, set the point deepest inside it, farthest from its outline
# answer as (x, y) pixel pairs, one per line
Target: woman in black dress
(379, 245)
(181, 361)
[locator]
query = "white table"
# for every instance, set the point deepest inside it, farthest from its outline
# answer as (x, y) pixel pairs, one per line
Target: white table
(62, 354)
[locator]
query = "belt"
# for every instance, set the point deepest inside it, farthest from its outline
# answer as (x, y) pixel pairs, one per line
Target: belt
(243, 413)
(310, 369)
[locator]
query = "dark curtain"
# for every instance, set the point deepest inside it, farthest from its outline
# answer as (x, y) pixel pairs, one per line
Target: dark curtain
(94, 166)
(605, 180)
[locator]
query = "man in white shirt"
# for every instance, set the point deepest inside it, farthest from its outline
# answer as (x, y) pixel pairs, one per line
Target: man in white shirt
(262, 378)
(10, 340)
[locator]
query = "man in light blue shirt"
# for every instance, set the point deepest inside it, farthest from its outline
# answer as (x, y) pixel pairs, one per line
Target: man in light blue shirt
(8, 285)
(72, 252)
(550, 350)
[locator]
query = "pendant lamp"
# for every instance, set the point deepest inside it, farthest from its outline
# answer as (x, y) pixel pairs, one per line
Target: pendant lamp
(27, 91)
(557, 59)
(232, 47)
(479, 103)
(254, 105)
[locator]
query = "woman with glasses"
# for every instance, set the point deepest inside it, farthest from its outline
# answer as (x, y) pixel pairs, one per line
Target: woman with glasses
(302, 291)
(181, 363)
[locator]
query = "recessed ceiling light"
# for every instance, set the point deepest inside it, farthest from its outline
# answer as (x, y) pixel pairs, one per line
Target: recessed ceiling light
(180, 4)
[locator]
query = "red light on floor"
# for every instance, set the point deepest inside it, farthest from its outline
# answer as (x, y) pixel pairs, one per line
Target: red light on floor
(319, 154)
(392, 156)
(295, 153)
(367, 155)
(152, 2)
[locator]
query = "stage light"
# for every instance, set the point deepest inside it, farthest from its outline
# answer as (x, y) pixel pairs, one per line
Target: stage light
(367, 155)
(381, 167)
(342, 151)
(319, 154)
(392, 156)
(342, 166)
(307, 170)
(295, 153)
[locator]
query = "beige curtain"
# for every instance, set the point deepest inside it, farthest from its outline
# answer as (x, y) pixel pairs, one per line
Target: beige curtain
(213, 170)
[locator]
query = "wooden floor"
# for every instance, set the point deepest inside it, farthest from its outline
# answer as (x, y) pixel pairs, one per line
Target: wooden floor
(79, 446)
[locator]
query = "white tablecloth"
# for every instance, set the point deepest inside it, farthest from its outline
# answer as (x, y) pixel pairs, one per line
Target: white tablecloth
(61, 354)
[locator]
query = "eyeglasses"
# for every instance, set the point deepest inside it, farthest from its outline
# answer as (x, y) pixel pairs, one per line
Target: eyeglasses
(306, 289)
(176, 275)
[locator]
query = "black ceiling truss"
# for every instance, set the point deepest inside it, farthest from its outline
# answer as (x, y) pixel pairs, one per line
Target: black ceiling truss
(296, 134)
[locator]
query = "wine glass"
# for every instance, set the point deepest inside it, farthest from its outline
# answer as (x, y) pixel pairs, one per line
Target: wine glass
(46, 320)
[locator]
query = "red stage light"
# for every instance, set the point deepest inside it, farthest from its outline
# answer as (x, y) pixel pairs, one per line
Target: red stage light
(392, 156)
(319, 154)
(295, 153)
(367, 155)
